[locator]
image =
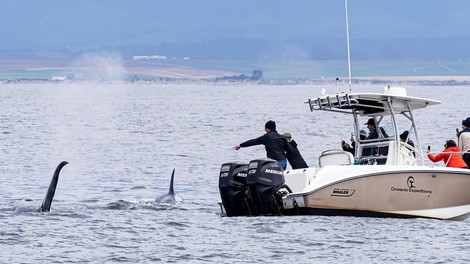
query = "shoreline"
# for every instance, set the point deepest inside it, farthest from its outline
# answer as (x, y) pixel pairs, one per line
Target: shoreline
(207, 72)
(376, 80)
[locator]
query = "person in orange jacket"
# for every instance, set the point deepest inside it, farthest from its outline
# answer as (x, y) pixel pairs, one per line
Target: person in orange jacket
(450, 155)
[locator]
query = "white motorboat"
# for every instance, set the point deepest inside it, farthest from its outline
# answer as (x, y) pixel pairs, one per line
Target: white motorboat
(386, 177)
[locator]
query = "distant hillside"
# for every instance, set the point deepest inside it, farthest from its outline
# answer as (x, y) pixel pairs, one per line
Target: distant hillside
(259, 49)
(450, 48)
(109, 66)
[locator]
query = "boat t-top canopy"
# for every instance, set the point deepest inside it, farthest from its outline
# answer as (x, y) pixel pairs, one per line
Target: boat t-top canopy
(393, 102)
(367, 104)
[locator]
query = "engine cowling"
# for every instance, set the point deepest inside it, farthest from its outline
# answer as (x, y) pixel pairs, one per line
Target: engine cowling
(232, 188)
(264, 178)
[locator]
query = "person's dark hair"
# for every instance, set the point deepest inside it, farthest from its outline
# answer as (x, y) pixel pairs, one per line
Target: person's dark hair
(404, 135)
(466, 122)
(450, 143)
(371, 121)
(271, 125)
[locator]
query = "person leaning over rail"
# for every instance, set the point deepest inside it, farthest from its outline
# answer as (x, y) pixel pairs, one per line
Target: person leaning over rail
(275, 144)
(294, 158)
(450, 155)
(464, 140)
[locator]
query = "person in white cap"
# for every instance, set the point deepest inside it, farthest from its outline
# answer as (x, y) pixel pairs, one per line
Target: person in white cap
(294, 158)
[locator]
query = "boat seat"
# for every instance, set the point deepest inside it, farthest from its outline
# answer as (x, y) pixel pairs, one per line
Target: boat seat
(335, 157)
(382, 153)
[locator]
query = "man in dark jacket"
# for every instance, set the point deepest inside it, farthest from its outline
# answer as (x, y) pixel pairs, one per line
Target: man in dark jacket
(276, 145)
(295, 159)
(373, 134)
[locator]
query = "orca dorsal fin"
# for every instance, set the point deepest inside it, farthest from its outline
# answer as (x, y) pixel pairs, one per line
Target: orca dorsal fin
(171, 190)
(46, 204)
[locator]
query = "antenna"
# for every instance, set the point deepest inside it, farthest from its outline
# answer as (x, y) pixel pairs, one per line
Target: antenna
(347, 40)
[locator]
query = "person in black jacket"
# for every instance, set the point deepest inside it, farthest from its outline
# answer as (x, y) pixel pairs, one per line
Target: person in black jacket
(295, 159)
(371, 126)
(276, 145)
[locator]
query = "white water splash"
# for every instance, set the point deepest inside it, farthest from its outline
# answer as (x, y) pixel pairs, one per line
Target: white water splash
(106, 66)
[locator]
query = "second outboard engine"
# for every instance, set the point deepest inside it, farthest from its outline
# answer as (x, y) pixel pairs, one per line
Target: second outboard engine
(265, 177)
(232, 187)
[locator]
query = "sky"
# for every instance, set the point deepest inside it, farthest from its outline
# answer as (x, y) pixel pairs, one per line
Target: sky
(85, 24)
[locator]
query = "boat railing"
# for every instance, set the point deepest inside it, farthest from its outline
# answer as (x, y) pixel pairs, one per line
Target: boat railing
(448, 152)
(417, 154)
(375, 140)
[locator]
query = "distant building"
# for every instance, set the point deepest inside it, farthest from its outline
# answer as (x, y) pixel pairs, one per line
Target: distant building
(152, 57)
(58, 78)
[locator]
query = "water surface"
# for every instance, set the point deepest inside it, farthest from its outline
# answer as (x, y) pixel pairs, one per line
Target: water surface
(123, 141)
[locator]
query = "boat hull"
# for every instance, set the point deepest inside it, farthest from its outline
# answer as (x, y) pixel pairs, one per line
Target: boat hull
(433, 193)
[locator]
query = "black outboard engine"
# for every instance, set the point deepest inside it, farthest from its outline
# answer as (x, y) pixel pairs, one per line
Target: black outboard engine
(232, 187)
(265, 177)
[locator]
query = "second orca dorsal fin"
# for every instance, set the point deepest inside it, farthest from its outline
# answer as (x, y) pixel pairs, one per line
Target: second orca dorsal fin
(171, 190)
(170, 197)
(46, 204)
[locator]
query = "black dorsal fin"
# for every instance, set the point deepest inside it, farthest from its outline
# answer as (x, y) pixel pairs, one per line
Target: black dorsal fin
(46, 204)
(172, 191)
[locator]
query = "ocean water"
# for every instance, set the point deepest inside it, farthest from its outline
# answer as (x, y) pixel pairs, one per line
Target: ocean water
(123, 141)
